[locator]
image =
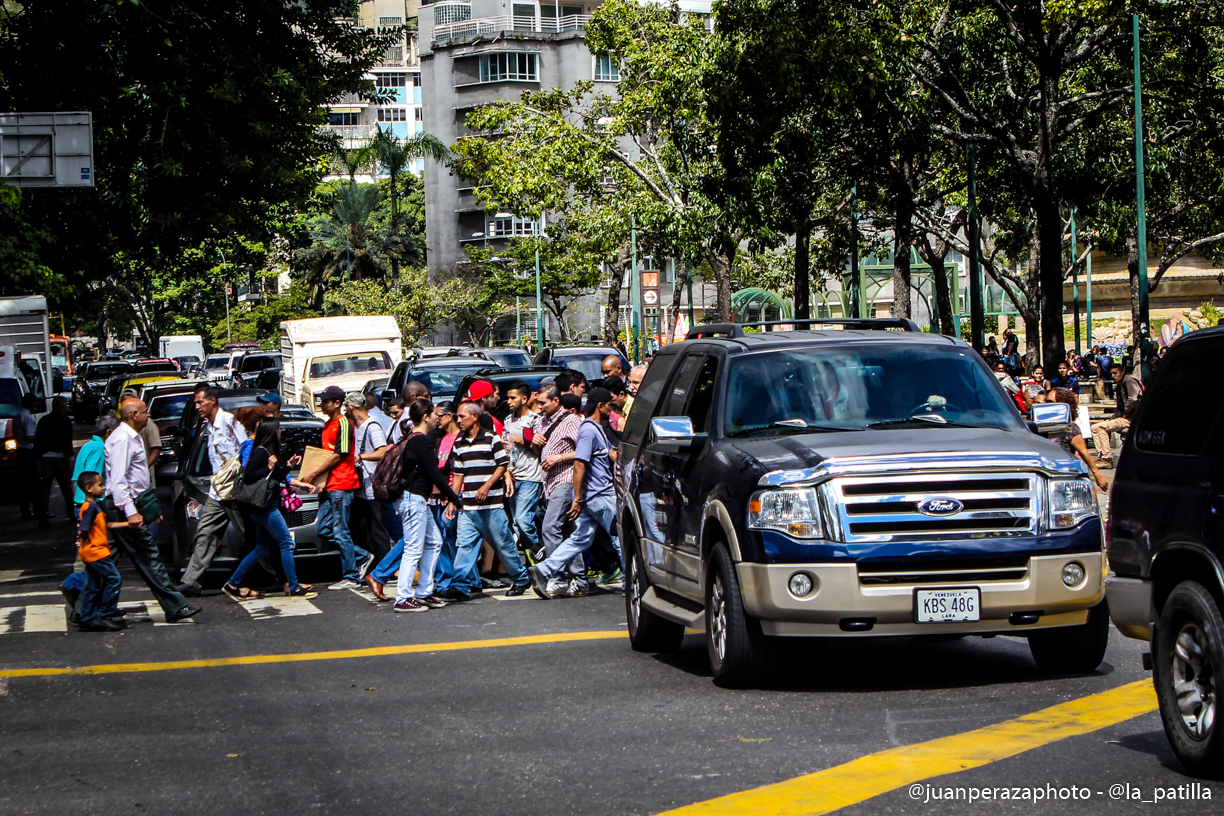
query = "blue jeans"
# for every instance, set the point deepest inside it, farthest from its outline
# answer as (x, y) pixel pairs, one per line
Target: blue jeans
(270, 529)
(75, 582)
(444, 574)
(422, 543)
(526, 502)
(598, 512)
(101, 593)
(395, 529)
(493, 525)
(332, 525)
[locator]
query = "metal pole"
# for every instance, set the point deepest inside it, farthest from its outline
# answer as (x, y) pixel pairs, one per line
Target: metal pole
(954, 283)
(1088, 275)
(1141, 209)
(856, 280)
(634, 301)
(225, 290)
(537, 227)
(1075, 283)
(977, 312)
(688, 279)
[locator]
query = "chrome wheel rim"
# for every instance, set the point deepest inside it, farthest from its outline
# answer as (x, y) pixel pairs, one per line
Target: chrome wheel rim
(635, 594)
(718, 618)
(1194, 680)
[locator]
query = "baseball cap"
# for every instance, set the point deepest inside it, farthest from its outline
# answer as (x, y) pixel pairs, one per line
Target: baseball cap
(332, 392)
(355, 400)
(271, 396)
(570, 401)
(550, 380)
(597, 396)
(480, 389)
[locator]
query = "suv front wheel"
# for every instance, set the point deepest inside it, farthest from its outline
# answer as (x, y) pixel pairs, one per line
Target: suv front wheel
(1187, 662)
(735, 641)
(1073, 649)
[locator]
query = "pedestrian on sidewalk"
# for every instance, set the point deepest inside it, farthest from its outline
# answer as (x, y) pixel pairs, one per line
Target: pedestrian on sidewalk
(225, 439)
(479, 467)
(53, 449)
(593, 507)
(99, 599)
(28, 471)
(270, 528)
(336, 498)
(422, 537)
(1128, 388)
(131, 498)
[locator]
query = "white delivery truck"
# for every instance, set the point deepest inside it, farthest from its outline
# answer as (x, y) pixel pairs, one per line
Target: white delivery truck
(175, 346)
(23, 327)
(344, 351)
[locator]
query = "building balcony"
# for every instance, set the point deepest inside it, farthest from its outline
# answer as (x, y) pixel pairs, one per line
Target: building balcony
(486, 26)
(352, 133)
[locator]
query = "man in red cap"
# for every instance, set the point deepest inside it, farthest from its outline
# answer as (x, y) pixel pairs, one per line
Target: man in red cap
(485, 393)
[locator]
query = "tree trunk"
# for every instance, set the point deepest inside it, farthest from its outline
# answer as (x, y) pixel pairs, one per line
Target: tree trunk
(1031, 312)
(903, 240)
(803, 261)
(1050, 247)
(720, 263)
(943, 296)
(1132, 268)
(616, 272)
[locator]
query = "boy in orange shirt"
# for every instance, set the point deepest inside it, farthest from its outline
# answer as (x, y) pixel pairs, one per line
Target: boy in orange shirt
(100, 597)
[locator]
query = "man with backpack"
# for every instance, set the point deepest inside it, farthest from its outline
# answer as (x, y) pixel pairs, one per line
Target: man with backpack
(593, 507)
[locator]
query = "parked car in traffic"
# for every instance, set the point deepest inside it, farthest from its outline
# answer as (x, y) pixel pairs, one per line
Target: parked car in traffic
(584, 358)
(505, 356)
(251, 365)
(1166, 545)
(503, 378)
(440, 375)
(850, 483)
(166, 400)
(91, 382)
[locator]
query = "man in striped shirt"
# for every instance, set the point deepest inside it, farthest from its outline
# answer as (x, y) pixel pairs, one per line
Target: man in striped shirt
(479, 466)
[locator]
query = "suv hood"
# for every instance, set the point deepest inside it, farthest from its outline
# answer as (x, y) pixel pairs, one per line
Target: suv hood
(799, 451)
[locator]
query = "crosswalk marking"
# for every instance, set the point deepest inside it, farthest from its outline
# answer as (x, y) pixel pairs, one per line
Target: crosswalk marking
(366, 595)
(263, 608)
(21, 619)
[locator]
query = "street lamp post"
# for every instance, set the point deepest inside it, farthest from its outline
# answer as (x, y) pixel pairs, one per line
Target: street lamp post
(225, 290)
(1075, 283)
(1141, 208)
(538, 228)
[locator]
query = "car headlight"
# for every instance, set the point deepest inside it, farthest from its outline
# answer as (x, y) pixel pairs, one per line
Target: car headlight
(1070, 502)
(794, 512)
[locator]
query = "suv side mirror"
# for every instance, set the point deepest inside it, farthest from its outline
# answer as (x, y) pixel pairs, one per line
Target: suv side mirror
(1051, 418)
(674, 432)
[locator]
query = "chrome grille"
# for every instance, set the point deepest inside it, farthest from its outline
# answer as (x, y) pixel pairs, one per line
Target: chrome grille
(946, 571)
(887, 508)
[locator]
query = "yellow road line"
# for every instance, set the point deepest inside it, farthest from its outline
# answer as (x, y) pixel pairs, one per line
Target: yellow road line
(346, 654)
(869, 776)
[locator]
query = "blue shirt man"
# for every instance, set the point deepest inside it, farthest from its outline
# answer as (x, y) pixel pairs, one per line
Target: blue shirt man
(92, 454)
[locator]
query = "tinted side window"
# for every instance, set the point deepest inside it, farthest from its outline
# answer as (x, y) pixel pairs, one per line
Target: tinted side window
(1181, 407)
(702, 399)
(682, 386)
(647, 397)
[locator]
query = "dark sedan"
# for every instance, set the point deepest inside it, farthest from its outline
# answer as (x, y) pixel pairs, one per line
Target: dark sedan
(90, 381)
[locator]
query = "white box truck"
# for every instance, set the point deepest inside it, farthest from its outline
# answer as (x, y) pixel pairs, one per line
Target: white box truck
(23, 327)
(182, 345)
(344, 351)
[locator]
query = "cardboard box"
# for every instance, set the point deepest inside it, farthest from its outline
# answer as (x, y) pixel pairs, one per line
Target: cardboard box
(311, 459)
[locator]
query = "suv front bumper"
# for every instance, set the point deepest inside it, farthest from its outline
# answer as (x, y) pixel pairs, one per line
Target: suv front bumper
(839, 597)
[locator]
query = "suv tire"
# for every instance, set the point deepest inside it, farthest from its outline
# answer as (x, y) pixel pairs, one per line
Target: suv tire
(1073, 649)
(647, 631)
(1188, 663)
(734, 640)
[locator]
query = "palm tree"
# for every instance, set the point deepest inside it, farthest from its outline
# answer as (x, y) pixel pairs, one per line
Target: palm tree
(343, 244)
(396, 155)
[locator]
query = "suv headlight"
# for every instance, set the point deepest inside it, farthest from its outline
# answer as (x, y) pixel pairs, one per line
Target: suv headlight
(1070, 502)
(794, 512)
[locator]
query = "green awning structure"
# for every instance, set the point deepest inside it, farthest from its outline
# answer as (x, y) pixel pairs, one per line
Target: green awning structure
(752, 305)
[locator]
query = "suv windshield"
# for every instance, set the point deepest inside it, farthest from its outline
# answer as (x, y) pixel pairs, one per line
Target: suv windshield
(444, 382)
(360, 362)
(168, 407)
(862, 385)
(218, 361)
(588, 362)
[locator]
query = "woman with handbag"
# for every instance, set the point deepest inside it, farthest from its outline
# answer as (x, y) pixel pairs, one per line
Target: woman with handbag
(261, 492)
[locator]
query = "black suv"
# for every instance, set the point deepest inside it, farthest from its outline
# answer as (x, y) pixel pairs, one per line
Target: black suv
(848, 483)
(1166, 544)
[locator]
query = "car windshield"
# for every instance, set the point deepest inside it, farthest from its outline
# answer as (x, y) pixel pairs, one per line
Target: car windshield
(218, 361)
(443, 382)
(10, 398)
(154, 368)
(168, 407)
(105, 371)
(588, 362)
(856, 386)
(59, 355)
(508, 357)
(358, 363)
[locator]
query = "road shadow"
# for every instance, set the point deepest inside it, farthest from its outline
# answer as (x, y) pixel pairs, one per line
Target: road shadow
(1155, 744)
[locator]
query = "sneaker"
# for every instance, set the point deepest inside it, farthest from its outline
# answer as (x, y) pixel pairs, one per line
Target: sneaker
(100, 625)
(614, 577)
(452, 594)
(515, 591)
(363, 569)
(492, 583)
(344, 584)
(577, 588)
(302, 592)
(538, 582)
(432, 601)
(411, 605)
(556, 586)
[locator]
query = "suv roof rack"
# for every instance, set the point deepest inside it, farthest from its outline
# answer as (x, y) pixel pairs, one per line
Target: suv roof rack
(733, 330)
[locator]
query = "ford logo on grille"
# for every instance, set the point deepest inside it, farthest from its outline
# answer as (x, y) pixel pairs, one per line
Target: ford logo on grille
(940, 507)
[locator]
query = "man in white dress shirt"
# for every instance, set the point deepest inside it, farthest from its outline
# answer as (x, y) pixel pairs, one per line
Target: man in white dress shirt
(131, 497)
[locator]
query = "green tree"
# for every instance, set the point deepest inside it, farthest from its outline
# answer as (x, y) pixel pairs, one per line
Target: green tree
(414, 304)
(395, 156)
(261, 324)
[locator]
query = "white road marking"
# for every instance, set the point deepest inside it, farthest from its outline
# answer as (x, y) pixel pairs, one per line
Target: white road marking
(157, 614)
(4, 686)
(49, 618)
(262, 608)
(10, 575)
(365, 594)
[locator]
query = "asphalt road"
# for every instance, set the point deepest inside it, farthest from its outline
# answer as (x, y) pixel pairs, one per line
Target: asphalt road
(360, 721)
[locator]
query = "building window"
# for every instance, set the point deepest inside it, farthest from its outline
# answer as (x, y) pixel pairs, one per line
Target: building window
(390, 21)
(606, 68)
(394, 56)
(510, 227)
(343, 118)
(416, 79)
(500, 67)
(391, 80)
(420, 114)
(392, 115)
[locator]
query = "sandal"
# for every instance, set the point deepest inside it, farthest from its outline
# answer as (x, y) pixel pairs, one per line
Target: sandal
(233, 591)
(303, 591)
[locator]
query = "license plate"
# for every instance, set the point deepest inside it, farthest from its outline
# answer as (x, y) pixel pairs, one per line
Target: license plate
(943, 605)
